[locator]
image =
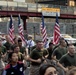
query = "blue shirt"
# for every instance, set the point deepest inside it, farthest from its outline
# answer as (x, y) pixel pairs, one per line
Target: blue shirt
(14, 70)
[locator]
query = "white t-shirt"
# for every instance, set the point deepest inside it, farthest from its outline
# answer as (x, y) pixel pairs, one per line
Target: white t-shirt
(30, 43)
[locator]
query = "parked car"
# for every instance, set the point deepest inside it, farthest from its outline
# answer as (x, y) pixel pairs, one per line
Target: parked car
(67, 37)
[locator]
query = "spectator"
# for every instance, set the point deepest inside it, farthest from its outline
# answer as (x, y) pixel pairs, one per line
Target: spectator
(8, 44)
(3, 40)
(16, 49)
(69, 59)
(30, 43)
(48, 69)
(2, 64)
(60, 50)
(15, 43)
(47, 43)
(14, 67)
(23, 50)
(37, 56)
(50, 50)
(3, 49)
(71, 72)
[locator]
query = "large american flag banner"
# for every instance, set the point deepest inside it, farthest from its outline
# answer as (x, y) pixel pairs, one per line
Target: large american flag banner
(20, 29)
(11, 30)
(43, 31)
(56, 34)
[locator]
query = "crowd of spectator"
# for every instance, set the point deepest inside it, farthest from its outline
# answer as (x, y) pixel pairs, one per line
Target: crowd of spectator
(43, 60)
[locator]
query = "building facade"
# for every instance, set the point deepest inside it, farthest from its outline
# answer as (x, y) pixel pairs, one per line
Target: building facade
(59, 2)
(27, 1)
(55, 2)
(49, 22)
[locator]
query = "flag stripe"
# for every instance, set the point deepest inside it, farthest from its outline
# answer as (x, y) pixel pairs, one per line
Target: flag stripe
(11, 30)
(56, 34)
(20, 29)
(43, 31)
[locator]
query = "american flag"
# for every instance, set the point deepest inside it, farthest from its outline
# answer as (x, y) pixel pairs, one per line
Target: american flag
(43, 31)
(11, 30)
(20, 29)
(56, 34)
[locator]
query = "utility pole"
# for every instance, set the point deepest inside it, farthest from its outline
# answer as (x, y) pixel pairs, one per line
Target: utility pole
(7, 5)
(36, 5)
(72, 30)
(34, 33)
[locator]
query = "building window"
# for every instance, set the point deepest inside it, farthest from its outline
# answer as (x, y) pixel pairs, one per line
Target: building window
(71, 3)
